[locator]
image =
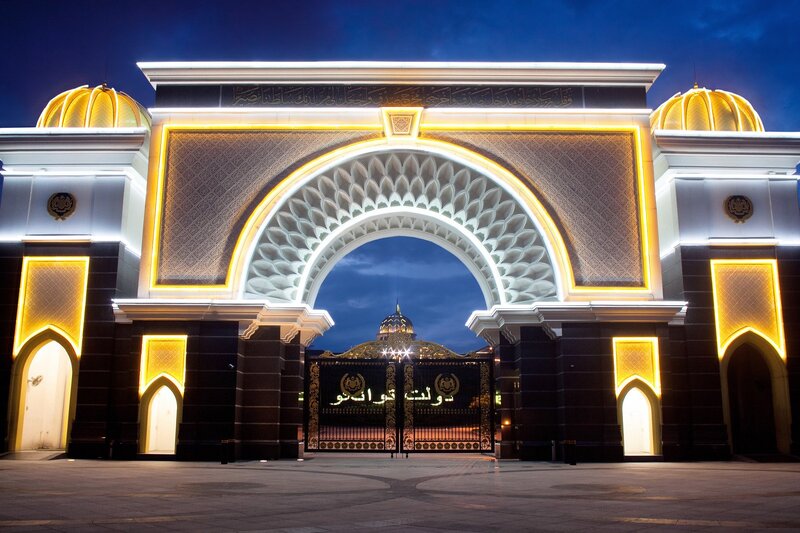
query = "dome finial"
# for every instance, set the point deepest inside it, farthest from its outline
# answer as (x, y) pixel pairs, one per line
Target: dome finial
(701, 109)
(93, 107)
(396, 325)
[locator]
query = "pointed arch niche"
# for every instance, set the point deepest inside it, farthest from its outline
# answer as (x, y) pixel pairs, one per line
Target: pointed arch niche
(162, 378)
(751, 346)
(638, 389)
(44, 388)
(48, 338)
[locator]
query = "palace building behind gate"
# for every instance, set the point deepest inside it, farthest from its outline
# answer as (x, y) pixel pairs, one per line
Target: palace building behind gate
(640, 268)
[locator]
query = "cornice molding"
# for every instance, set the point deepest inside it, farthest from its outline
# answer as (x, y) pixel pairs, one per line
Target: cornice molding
(775, 142)
(72, 139)
(551, 315)
(250, 314)
(401, 73)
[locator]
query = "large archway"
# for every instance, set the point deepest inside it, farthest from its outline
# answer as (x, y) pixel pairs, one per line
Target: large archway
(402, 191)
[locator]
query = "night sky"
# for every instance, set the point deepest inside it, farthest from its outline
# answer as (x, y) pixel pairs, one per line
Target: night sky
(748, 47)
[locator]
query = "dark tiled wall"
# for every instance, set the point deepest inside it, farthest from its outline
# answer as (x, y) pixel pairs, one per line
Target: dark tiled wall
(566, 389)
(111, 264)
(268, 411)
(789, 272)
(693, 420)
(10, 272)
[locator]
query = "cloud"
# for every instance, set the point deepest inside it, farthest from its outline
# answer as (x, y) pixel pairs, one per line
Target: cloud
(360, 303)
(403, 268)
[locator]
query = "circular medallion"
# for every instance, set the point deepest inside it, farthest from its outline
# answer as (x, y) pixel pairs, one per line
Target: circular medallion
(739, 207)
(446, 385)
(61, 205)
(352, 385)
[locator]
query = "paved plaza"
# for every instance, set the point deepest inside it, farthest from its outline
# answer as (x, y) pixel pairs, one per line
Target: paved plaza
(418, 494)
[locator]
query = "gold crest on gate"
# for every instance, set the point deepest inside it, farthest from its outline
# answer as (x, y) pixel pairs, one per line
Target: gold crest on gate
(446, 385)
(352, 385)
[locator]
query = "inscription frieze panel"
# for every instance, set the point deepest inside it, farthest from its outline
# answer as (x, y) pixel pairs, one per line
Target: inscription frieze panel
(401, 95)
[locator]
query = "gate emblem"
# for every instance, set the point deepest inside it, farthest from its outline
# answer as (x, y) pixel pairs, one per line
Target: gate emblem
(352, 385)
(446, 385)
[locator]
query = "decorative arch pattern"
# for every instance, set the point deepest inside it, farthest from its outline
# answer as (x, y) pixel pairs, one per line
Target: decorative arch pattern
(384, 223)
(392, 190)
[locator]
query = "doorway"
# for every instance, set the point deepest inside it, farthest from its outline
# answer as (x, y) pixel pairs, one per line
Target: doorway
(750, 397)
(46, 388)
(162, 422)
(637, 423)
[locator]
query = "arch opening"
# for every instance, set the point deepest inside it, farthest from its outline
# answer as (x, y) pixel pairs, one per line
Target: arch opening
(162, 422)
(756, 398)
(401, 191)
(433, 287)
(637, 423)
(45, 392)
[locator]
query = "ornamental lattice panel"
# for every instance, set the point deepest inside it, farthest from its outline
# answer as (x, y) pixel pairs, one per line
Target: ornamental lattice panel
(587, 181)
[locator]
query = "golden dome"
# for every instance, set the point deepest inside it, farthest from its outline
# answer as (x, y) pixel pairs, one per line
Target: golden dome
(98, 107)
(701, 109)
(394, 324)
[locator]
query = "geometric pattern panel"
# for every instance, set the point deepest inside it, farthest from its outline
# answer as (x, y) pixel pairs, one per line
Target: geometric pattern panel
(462, 198)
(52, 295)
(212, 182)
(747, 299)
(636, 357)
(163, 355)
(588, 183)
(408, 225)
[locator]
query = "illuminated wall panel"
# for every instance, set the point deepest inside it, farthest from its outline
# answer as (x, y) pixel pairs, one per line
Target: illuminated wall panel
(52, 295)
(747, 299)
(163, 355)
(636, 357)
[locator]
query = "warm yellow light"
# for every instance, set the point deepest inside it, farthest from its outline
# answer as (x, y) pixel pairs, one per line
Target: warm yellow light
(248, 234)
(701, 109)
(163, 355)
(747, 298)
(159, 191)
(636, 358)
(52, 296)
(96, 107)
(401, 122)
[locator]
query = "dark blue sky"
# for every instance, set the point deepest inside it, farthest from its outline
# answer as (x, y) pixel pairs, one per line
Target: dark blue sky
(435, 290)
(746, 46)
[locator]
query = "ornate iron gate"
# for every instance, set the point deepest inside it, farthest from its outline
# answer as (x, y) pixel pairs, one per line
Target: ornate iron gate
(406, 405)
(350, 405)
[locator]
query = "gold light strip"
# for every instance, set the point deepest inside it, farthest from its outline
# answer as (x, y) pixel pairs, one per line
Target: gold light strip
(163, 355)
(747, 298)
(636, 358)
(52, 296)
(257, 215)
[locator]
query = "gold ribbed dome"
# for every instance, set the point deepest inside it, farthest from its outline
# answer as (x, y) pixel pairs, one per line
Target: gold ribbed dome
(701, 109)
(98, 107)
(396, 324)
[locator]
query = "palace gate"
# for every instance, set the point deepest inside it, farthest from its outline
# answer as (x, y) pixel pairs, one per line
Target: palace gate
(399, 402)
